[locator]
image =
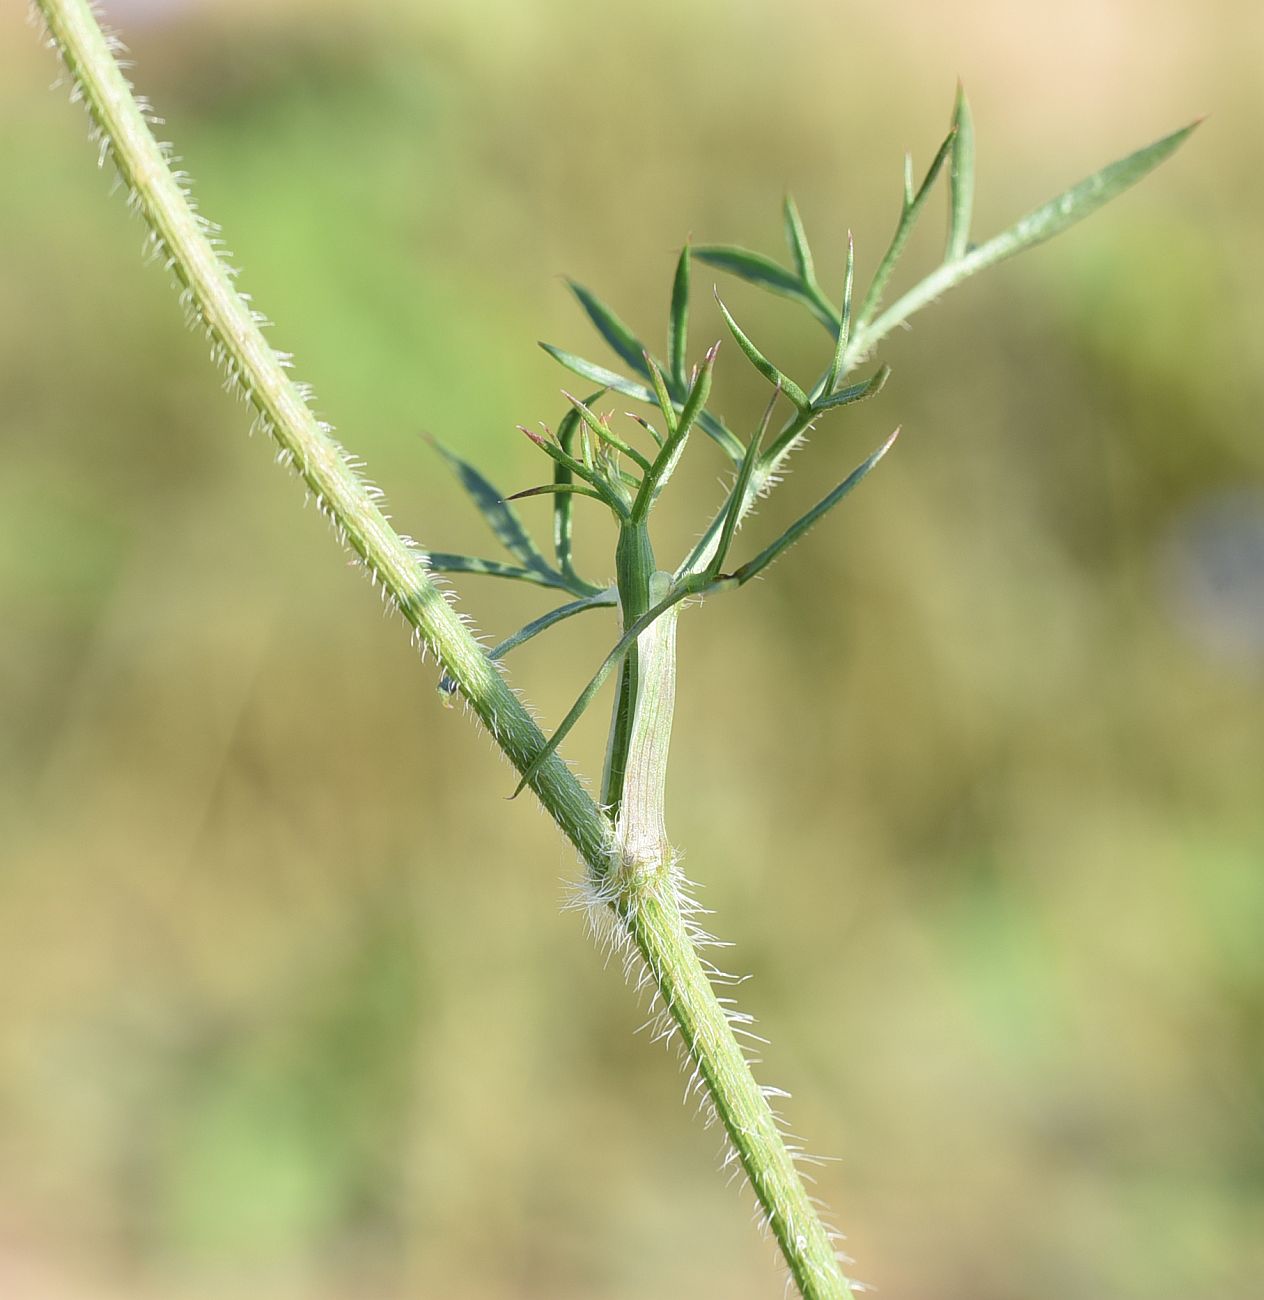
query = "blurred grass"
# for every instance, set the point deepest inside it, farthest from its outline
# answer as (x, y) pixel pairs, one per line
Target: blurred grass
(287, 1003)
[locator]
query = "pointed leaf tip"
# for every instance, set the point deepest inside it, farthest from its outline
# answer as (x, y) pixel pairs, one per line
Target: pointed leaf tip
(797, 240)
(617, 335)
(1073, 205)
(500, 517)
(678, 320)
(762, 271)
(751, 568)
(960, 179)
(761, 362)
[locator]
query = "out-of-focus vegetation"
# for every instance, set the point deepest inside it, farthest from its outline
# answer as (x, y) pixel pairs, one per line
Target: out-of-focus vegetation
(288, 1005)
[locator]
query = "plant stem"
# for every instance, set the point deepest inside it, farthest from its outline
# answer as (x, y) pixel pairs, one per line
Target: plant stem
(661, 934)
(646, 904)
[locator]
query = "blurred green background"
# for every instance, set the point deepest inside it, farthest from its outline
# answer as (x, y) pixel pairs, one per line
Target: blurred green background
(289, 1005)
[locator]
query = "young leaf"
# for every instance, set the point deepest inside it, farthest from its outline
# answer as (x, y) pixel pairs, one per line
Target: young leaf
(695, 403)
(501, 518)
(662, 395)
(747, 571)
(763, 365)
(600, 430)
(678, 325)
(797, 239)
(855, 392)
(622, 341)
(563, 506)
(446, 562)
(713, 427)
(579, 468)
(960, 179)
(605, 598)
(646, 425)
(669, 454)
(757, 269)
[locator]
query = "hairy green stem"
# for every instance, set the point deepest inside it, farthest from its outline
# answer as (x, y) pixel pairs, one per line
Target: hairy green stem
(662, 937)
(646, 902)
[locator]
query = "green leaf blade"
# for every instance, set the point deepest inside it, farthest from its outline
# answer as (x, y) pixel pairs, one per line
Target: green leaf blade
(797, 239)
(762, 271)
(625, 345)
(910, 210)
(501, 517)
(1036, 227)
(678, 324)
(762, 364)
(751, 568)
(1080, 201)
(855, 392)
(960, 179)
(554, 489)
(598, 600)
(737, 498)
(598, 374)
(844, 323)
(447, 562)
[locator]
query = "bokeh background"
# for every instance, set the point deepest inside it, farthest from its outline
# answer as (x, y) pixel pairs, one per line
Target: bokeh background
(289, 1003)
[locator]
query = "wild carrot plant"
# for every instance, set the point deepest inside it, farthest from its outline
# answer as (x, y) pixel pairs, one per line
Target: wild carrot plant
(634, 890)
